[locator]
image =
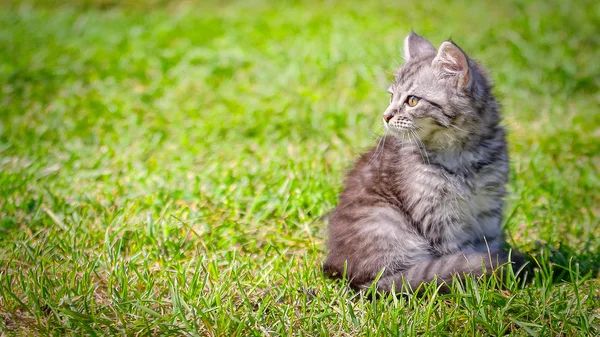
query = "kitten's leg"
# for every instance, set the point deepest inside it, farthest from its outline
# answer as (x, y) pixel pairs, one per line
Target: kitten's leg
(366, 241)
(443, 269)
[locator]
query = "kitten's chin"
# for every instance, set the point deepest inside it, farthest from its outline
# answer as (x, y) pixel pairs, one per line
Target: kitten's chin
(408, 134)
(403, 135)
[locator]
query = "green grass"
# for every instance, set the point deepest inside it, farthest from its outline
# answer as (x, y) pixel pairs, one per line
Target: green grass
(163, 168)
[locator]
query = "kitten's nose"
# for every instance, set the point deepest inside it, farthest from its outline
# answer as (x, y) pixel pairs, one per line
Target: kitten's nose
(387, 117)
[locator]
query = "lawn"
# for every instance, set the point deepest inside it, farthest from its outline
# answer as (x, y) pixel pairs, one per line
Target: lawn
(164, 167)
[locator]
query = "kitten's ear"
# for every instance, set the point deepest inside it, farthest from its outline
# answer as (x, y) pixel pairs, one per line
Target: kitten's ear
(451, 62)
(416, 46)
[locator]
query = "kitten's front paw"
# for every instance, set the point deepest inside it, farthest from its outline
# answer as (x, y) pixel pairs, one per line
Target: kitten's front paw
(395, 283)
(385, 285)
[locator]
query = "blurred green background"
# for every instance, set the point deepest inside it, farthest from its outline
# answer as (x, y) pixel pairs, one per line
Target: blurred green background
(164, 164)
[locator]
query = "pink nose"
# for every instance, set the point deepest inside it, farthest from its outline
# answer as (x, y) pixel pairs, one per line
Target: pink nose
(387, 117)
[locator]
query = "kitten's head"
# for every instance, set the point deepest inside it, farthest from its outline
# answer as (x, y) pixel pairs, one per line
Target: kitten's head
(442, 96)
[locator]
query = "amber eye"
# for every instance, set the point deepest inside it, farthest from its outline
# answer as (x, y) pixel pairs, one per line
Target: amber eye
(412, 100)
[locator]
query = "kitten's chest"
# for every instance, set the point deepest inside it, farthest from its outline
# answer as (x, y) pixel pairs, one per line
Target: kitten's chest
(449, 206)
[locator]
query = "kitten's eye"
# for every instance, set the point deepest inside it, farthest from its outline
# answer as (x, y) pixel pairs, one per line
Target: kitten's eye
(412, 101)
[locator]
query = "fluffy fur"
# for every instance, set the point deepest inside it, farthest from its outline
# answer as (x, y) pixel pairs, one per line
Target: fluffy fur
(427, 202)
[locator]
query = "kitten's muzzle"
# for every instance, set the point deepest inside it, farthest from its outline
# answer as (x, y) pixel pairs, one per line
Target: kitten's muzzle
(399, 123)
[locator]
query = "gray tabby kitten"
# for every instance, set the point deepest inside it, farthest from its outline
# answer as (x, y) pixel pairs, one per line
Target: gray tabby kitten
(426, 203)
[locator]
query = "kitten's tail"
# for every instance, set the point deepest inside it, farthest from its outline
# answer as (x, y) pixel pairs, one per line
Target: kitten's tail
(443, 269)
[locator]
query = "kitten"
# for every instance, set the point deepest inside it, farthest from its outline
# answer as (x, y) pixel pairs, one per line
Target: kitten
(426, 203)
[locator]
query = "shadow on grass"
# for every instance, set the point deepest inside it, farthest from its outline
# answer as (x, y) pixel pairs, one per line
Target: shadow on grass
(565, 263)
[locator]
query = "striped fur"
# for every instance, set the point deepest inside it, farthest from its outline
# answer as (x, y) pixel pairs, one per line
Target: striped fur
(427, 201)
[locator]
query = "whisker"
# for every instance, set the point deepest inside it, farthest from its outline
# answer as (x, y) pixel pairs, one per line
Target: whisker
(379, 149)
(382, 147)
(420, 143)
(376, 151)
(377, 133)
(456, 127)
(410, 132)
